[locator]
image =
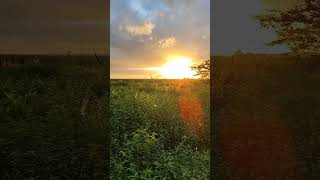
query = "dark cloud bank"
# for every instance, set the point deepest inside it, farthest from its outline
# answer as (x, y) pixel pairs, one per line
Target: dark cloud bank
(39, 26)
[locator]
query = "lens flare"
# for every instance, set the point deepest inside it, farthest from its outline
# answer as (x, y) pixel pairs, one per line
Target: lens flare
(192, 113)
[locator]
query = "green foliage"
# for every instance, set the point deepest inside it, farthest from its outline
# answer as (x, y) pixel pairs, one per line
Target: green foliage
(144, 157)
(149, 140)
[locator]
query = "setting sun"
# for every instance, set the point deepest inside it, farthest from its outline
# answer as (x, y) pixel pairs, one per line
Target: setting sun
(177, 67)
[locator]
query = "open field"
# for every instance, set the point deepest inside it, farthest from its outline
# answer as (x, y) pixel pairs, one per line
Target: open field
(53, 121)
(160, 129)
(267, 113)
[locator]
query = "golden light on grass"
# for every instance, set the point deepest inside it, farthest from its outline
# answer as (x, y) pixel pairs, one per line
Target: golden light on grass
(191, 113)
(177, 67)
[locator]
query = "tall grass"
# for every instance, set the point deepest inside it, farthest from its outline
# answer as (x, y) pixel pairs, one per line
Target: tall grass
(149, 138)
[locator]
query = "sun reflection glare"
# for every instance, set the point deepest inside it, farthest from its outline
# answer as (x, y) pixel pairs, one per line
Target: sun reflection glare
(177, 67)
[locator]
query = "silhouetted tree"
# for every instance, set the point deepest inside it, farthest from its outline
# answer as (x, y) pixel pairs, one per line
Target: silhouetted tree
(297, 27)
(238, 53)
(203, 69)
(68, 53)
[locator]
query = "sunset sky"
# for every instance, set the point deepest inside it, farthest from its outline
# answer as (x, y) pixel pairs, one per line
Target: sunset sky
(145, 32)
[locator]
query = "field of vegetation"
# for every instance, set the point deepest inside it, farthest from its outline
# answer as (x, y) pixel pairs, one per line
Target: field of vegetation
(53, 121)
(160, 129)
(267, 112)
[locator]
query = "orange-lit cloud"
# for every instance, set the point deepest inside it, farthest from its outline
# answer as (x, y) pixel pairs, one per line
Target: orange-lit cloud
(167, 42)
(145, 29)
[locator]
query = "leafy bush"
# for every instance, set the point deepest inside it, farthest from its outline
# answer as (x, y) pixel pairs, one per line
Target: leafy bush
(143, 156)
(149, 139)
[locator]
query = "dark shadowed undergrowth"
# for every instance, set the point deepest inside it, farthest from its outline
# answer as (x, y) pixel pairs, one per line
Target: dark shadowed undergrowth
(267, 109)
(52, 121)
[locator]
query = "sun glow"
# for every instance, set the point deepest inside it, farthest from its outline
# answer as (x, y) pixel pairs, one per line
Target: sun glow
(177, 67)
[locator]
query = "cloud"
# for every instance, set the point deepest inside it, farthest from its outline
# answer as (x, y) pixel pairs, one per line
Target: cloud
(167, 42)
(136, 44)
(178, 3)
(145, 29)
